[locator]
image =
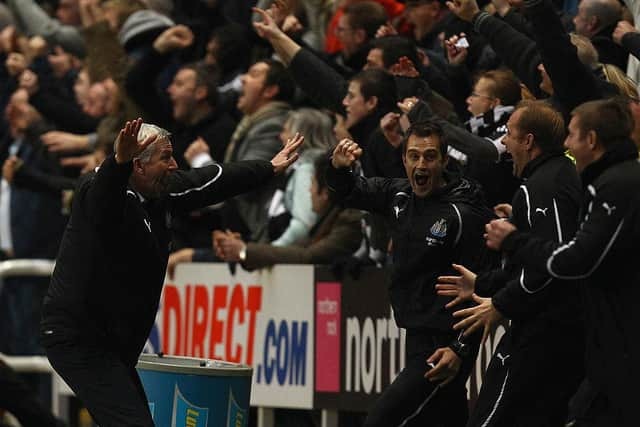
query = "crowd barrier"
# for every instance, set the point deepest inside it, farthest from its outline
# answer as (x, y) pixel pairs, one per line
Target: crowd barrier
(34, 364)
(315, 340)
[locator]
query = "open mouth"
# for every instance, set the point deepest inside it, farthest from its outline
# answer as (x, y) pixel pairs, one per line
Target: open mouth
(421, 179)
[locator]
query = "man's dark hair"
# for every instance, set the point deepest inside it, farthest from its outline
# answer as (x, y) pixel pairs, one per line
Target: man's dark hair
(380, 84)
(424, 129)
(503, 84)
(278, 75)
(232, 38)
(206, 76)
(544, 123)
(610, 119)
(366, 15)
(395, 47)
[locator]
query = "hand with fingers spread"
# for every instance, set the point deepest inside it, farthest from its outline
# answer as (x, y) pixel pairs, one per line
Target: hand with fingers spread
(447, 364)
(496, 231)
(128, 145)
(345, 154)
(58, 141)
(503, 210)
(279, 11)
(460, 287)
(464, 9)
(288, 155)
(456, 55)
(484, 315)
(267, 28)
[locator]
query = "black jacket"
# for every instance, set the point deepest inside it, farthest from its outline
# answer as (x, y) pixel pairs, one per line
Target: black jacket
(429, 234)
(603, 257)
(112, 260)
(547, 206)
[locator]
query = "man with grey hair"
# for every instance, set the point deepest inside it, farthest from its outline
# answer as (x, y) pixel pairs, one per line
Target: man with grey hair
(596, 20)
(105, 290)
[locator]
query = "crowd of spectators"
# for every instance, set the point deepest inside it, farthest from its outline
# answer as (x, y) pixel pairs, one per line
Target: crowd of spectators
(235, 79)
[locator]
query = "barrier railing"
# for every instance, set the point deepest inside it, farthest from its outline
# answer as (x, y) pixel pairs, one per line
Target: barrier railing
(34, 364)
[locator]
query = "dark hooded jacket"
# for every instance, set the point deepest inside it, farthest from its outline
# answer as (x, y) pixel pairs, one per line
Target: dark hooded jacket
(429, 234)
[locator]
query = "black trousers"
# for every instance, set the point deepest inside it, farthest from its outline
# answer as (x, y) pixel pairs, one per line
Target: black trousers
(109, 388)
(17, 398)
(531, 379)
(412, 400)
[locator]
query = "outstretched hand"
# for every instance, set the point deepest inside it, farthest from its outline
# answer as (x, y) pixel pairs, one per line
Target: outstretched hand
(267, 28)
(128, 145)
(287, 155)
(460, 287)
(484, 315)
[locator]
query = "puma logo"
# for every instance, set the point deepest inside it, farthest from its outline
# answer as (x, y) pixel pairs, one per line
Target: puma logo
(148, 224)
(609, 209)
(542, 211)
(502, 358)
(397, 210)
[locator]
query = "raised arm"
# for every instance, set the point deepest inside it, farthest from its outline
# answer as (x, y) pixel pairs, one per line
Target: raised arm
(104, 196)
(517, 51)
(317, 79)
(371, 194)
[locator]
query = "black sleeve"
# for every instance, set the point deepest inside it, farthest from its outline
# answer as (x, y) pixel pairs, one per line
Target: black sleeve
(370, 194)
(140, 86)
(579, 257)
(573, 82)
(201, 187)
(103, 195)
(318, 80)
(64, 113)
(490, 282)
(554, 221)
(519, 22)
(37, 180)
(516, 50)
(631, 43)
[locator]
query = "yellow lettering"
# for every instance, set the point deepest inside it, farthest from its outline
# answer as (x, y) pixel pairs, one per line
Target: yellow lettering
(192, 418)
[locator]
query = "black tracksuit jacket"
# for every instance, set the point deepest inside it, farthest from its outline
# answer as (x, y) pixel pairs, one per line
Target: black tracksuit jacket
(429, 234)
(603, 255)
(112, 261)
(546, 205)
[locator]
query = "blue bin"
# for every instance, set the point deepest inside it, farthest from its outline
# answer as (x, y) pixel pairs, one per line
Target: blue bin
(191, 392)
